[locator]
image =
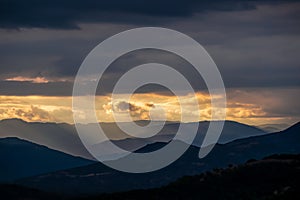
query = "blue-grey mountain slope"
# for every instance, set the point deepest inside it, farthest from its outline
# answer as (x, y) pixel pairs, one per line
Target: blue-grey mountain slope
(20, 158)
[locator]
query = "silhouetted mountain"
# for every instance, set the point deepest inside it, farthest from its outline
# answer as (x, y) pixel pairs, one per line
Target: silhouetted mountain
(20, 158)
(275, 177)
(97, 178)
(17, 192)
(63, 137)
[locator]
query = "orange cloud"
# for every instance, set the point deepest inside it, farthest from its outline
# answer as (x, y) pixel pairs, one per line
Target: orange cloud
(38, 79)
(247, 107)
(33, 80)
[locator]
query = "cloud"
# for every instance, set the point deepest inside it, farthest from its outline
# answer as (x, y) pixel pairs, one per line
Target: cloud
(38, 79)
(20, 88)
(32, 114)
(139, 111)
(68, 14)
(32, 80)
(252, 106)
(253, 46)
(36, 108)
(264, 105)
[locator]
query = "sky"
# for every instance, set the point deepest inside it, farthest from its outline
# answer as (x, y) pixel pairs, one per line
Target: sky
(255, 44)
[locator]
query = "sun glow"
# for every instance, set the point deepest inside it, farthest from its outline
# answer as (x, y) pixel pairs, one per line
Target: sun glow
(59, 108)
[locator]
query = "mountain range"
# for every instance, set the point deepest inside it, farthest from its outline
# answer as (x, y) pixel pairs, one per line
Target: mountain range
(271, 128)
(275, 177)
(63, 137)
(97, 178)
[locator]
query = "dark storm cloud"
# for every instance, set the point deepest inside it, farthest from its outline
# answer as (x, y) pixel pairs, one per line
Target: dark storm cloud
(136, 111)
(68, 14)
(17, 88)
(253, 46)
(50, 58)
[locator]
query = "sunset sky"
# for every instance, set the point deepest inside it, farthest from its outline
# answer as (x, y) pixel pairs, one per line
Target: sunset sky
(255, 44)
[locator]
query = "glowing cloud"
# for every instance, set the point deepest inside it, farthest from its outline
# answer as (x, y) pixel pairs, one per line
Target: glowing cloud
(251, 107)
(28, 79)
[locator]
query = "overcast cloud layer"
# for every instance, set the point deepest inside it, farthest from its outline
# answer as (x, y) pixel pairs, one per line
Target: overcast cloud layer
(254, 43)
(69, 14)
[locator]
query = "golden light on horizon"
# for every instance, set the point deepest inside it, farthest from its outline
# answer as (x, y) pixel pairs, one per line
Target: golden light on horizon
(59, 108)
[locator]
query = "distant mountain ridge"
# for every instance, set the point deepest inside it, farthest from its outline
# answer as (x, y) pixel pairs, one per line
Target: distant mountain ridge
(271, 128)
(97, 178)
(58, 136)
(63, 137)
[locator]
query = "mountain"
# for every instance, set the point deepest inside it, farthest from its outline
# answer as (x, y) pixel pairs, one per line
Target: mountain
(231, 131)
(97, 178)
(271, 128)
(59, 136)
(20, 158)
(63, 137)
(17, 192)
(274, 177)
